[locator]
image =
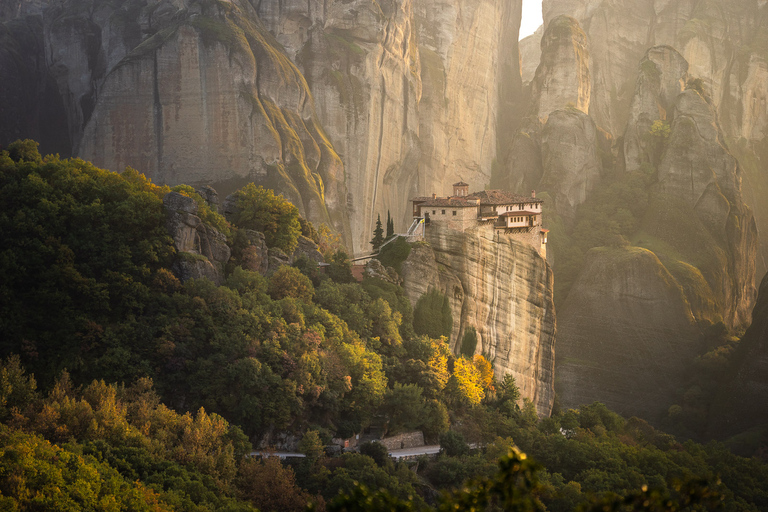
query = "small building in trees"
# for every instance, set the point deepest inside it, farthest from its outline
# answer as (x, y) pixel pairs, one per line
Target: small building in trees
(517, 216)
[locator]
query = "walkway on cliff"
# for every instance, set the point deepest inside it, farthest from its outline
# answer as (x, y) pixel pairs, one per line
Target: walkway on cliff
(411, 232)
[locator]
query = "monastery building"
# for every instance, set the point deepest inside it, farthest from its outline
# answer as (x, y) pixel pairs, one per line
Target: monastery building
(515, 216)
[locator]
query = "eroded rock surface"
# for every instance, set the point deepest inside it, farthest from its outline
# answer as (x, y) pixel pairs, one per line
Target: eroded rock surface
(202, 251)
(563, 76)
(503, 289)
(185, 91)
(625, 335)
(663, 75)
(737, 404)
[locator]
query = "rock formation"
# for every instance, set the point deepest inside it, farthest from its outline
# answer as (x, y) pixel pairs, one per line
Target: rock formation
(202, 251)
(696, 241)
(626, 335)
(503, 289)
(348, 108)
(187, 92)
(563, 77)
(412, 93)
(738, 404)
(663, 75)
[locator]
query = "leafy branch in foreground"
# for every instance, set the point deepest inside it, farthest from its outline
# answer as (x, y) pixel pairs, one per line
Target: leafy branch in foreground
(516, 487)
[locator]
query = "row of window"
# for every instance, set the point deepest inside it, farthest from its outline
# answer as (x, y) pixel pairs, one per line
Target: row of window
(434, 212)
(521, 207)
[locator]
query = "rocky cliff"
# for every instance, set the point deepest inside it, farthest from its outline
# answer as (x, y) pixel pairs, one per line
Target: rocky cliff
(348, 108)
(680, 251)
(738, 405)
(413, 93)
(563, 76)
(197, 92)
(722, 41)
(626, 335)
(503, 289)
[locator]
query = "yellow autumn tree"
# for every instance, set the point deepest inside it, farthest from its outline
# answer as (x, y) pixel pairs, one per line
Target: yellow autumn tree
(485, 368)
(465, 385)
(438, 362)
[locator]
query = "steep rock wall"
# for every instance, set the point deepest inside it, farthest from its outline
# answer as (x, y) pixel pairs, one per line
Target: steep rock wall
(563, 76)
(415, 94)
(720, 39)
(362, 64)
(503, 289)
(737, 402)
(190, 91)
(626, 334)
(663, 75)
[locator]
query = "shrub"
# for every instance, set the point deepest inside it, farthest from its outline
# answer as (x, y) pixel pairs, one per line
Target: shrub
(452, 443)
(469, 342)
(394, 254)
(432, 315)
(260, 209)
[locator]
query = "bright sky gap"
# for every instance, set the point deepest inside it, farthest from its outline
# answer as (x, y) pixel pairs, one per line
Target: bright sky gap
(531, 17)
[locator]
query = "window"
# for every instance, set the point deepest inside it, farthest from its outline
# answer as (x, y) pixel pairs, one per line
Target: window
(454, 213)
(434, 212)
(443, 212)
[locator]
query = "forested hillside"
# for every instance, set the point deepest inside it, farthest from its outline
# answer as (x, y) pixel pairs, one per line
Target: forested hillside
(125, 388)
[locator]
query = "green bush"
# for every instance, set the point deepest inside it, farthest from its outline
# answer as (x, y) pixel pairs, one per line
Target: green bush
(432, 315)
(260, 209)
(452, 443)
(469, 342)
(395, 253)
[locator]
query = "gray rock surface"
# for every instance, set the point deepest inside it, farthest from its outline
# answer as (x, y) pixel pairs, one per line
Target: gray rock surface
(503, 289)
(625, 335)
(202, 250)
(563, 77)
(740, 403)
(663, 74)
(375, 269)
(570, 159)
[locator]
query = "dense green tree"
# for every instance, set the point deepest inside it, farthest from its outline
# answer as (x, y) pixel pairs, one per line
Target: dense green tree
(452, 443)
(390, 226)
(378, 235)
(290, 282)
(405, 407)
(432, 315)
(260, 209)
(340, 268)
(394, 253)
(469, 342)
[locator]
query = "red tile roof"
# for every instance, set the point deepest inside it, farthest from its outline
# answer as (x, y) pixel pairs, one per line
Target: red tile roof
(496, 197)
(452, 202)
(524, 213)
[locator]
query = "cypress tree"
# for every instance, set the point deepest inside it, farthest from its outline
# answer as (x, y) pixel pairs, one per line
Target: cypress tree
(390, 225)
(378, 235)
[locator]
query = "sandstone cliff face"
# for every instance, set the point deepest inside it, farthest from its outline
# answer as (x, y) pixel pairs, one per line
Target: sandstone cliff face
(614, 343)
(190, 91)
(471, 88)
(699, 170)
(413, 93)
(362, 64)
(720, 40)
(503, 289)
(560, 156)
(563, 76)
(663, 75)
(737, 404)
(723, 42)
